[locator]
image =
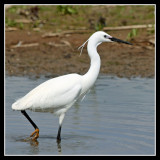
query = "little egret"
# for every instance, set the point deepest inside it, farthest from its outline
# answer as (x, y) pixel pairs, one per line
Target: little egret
(60, 93)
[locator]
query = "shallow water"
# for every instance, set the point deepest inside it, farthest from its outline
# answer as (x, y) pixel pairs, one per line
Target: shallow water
(117, 117)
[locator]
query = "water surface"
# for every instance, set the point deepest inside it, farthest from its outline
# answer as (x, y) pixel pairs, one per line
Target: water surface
(117, 117)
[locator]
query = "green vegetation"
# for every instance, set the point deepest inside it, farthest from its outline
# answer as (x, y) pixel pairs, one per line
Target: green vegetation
(63, 17)
(133, 33)
(66, 9)
(151, 30)
(21, 25)
(99, 27)
(132, 14)
(10, 23)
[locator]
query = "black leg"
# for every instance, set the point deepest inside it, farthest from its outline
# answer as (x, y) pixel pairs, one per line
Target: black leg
(59, 134)
(27, 116)
(36, 132)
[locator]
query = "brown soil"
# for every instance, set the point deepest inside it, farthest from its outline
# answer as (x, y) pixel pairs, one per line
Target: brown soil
(58, 55)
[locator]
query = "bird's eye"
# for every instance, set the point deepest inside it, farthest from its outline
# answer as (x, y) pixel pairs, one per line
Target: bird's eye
(105, 36)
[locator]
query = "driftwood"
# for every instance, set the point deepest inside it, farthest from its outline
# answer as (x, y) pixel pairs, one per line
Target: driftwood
(128, 27)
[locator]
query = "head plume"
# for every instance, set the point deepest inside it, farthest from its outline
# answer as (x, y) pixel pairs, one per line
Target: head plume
(82, 46)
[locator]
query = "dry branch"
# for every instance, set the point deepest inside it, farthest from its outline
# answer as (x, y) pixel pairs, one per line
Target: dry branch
(128, 27)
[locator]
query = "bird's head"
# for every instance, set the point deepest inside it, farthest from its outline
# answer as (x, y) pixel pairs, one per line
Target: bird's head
(101, 36)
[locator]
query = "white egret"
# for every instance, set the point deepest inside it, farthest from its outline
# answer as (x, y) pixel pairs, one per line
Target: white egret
(60, 93)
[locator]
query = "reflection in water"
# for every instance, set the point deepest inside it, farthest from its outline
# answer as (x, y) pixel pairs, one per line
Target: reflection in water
(33, 142)
(34, 146)
(59, 147)
(29, 140)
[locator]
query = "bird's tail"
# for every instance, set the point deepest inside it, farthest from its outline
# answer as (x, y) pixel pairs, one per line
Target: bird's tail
(16, 106)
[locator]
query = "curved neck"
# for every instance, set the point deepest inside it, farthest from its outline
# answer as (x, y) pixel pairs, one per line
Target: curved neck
(92, 74)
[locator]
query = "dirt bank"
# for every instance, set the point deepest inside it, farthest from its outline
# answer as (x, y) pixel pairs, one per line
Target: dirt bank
(58, 55)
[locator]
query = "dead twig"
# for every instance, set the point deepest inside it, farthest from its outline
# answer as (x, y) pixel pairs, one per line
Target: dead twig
(20, 45)
(63, 44)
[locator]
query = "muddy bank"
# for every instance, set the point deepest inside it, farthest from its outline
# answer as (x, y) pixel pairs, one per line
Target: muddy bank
(29, 53)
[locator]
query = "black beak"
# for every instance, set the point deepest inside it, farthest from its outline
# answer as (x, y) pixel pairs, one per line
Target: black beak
(119, 41)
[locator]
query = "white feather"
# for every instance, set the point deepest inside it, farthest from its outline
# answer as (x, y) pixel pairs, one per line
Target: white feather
(52, 94)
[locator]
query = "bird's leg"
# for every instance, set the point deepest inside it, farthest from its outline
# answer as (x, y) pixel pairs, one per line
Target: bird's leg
(61, 117)
(59, 134)
(35, 134)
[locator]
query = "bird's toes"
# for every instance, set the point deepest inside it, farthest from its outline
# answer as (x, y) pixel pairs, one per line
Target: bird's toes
(35, 134)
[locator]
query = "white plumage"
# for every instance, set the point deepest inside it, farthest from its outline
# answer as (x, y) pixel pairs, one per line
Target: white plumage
(60, 93)
(52, 95)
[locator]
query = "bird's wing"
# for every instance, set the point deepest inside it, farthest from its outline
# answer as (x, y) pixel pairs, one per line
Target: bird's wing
(53, 93)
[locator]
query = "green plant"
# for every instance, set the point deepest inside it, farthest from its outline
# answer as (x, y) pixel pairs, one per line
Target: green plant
(100, 23)
(21, 25)
(132, 34)
(66, 9)
(99, 26)
(151, 30)
(10, 23)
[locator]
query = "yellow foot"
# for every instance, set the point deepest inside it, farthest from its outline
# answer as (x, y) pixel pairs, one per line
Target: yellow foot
(35, 134)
